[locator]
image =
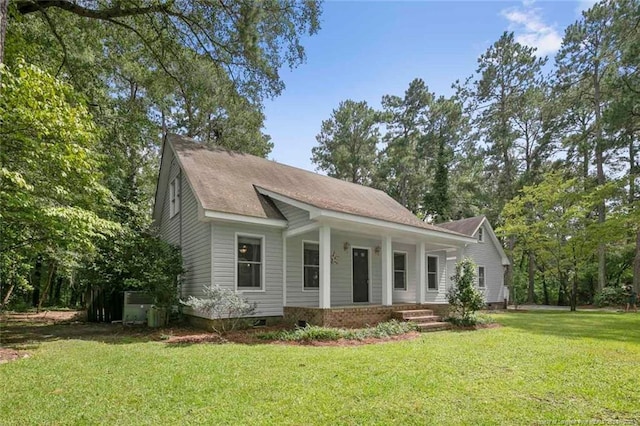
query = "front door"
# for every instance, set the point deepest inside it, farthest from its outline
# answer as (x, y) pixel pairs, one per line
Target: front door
(360, 275)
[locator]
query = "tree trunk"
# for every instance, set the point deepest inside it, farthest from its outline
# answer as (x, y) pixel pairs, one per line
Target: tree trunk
(636, 264)
(7, 296)
(600, 177)
(52, 270)
(508, 273)
(531, 298)
(545, 290)
(4, 18)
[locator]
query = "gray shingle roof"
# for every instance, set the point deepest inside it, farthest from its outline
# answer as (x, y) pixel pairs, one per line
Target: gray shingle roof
(226, 181)
(464, 226)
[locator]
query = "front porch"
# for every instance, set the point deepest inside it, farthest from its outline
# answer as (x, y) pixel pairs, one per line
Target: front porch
(364, 273)
(354, 316)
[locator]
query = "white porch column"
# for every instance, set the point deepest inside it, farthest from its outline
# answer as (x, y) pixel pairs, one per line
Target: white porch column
(421, 273)
(387, 271)
(325, 267)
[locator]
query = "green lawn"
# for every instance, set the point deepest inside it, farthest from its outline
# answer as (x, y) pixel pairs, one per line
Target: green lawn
(539, 368)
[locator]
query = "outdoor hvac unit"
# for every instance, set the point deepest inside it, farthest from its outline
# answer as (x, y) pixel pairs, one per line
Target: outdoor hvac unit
(136, 305)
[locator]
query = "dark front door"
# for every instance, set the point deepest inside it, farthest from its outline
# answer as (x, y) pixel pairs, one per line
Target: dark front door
(360, 275)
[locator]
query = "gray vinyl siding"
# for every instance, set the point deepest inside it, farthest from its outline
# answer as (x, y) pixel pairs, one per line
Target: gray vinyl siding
(439, 295)
(296, 295)
(341, 284)
(486, 254)
(408, 295)
(170, 226)
(295, 216)
(341, 272)
(196, 244)
(224, 264)
(185, 230)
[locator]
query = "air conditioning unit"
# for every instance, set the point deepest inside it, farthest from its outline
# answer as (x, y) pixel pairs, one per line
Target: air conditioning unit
(136, 305)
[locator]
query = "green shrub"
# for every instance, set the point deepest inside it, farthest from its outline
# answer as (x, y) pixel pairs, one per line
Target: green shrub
(610, 296)
(316, 333)
(476, 319)
(464, 299)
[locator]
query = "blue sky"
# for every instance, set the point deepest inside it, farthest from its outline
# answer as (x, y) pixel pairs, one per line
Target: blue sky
(365, 50)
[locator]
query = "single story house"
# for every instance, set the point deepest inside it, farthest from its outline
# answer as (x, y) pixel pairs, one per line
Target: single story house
(304, 246)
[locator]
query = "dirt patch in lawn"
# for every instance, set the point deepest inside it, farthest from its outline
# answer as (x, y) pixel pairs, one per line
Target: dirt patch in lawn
(7, 354)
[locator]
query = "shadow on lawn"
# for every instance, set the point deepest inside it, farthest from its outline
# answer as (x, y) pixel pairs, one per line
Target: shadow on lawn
(28, 332)
(26, 336)
(623, 327)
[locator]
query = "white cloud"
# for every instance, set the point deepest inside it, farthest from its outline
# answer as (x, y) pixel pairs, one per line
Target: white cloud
(530, 29)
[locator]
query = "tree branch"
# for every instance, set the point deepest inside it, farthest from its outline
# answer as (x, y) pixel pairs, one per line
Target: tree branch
(30, 6)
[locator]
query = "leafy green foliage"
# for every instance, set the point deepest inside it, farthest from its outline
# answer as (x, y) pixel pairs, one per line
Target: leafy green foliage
(610, 296)
(50, 188)
(347, 143)
(317, 333)
(136, 261)
(463, 297)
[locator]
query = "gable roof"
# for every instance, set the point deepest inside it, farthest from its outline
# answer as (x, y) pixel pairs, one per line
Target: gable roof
(470, 226)
(229, 182)
(467, 226)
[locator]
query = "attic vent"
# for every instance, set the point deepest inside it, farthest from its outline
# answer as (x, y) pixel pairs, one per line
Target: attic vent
(136, 305)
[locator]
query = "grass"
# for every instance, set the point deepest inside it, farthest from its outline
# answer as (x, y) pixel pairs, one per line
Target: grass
(539, 368)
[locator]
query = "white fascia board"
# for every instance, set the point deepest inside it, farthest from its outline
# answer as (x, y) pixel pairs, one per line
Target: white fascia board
(301, 230)
(238, 218)
(390, 226)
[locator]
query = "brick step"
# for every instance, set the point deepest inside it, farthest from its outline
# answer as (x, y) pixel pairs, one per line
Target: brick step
(424, 319)
(433, 326)
(412, 313)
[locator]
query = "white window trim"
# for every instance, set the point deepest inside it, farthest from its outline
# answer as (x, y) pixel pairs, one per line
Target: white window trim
(478, 278)
(370, 285)
(481, 236)
(174, 196)
(406, 271)
(432, 290)
(263, 263)
(309, 289)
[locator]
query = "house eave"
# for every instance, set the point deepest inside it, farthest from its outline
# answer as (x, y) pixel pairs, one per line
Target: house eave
(211, 215)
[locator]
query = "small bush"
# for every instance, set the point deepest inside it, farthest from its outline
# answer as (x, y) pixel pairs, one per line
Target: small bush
(610, 296)
(477, 319)
(222, 304)
(394, 328)
(316, 333)
(464, 299)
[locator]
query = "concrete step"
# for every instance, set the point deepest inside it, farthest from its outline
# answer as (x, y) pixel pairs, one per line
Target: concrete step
(424, 319)
(412, 313)
(433, 326)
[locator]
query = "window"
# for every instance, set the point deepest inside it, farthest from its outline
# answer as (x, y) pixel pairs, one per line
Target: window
(399, 271)
(481, 283)
(311, 265)
(481, 234)
(174, 197)
(249, 262)
(432, 273)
